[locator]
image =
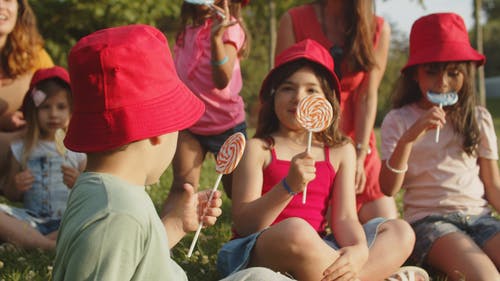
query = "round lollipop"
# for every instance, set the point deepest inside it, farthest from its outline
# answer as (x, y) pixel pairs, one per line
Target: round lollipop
(445, 99)
(227, 159)
(209, 3)
(315, 114)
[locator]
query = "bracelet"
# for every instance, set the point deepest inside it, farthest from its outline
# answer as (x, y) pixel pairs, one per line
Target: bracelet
(219, 62)
(396, 171)
(362, 147)
(287, 187)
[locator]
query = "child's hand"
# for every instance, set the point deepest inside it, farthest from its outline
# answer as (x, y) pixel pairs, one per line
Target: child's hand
(24, 180)
(221, 23)
(434, 117)
(13, 121)
(302, 171)
(347, 266)
(360, 178)
(69, 175)
(192, 206)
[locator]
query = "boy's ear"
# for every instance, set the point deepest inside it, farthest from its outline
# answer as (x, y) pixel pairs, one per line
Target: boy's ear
(155, 140)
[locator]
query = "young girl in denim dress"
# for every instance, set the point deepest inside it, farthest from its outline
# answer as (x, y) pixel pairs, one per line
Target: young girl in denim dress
(42, 171)
(207, 53)
(451, 179)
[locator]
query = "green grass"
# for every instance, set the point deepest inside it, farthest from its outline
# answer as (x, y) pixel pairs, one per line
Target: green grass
(34, 265)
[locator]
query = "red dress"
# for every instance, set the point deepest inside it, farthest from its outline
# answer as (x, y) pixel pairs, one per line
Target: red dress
(306, 25)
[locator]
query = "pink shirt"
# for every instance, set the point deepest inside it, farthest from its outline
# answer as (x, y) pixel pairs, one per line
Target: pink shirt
(318, 191)
(441, 177)
(224, 108)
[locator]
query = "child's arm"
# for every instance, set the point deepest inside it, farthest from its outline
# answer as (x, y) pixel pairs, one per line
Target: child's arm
(223, 54)
(394, 167)
(252, 211)
(488, 171)
(343, 216)
(17, 180)
(185, 215)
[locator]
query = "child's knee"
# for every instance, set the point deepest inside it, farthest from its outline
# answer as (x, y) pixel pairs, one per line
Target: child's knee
(400, 231)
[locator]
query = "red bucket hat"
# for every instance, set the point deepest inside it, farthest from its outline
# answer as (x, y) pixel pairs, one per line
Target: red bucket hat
(125, 88)
(440, 37)
(55, 72)
(307, 49)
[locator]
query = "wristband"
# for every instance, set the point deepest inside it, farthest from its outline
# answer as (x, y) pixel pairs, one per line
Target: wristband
(396, 171)
(219, 62)
(287, 187)
(361, 147)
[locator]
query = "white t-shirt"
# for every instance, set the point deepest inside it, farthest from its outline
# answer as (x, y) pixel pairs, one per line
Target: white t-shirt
(441, 177)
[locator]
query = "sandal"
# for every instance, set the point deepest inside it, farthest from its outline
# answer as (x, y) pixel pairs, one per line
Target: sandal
(409, 273)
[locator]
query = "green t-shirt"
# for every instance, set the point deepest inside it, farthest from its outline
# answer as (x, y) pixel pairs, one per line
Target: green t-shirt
(111, 231)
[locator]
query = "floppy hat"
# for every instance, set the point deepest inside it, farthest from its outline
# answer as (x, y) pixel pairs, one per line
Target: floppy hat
(125, 88)
(307, 49)
(37, 96)
(440, 37)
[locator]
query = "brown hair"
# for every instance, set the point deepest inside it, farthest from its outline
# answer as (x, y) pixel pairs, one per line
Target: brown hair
(268, 122)
(462, 114)
(50, 87)
(359, 34)
(21, 50)
(191, 16)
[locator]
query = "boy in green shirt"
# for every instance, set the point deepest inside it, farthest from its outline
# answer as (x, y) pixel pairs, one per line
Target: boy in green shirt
(128, 106)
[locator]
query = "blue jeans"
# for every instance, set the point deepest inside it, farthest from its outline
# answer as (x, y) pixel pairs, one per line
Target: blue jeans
(429, 229)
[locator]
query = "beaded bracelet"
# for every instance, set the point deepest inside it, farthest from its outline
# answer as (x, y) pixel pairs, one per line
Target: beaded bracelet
(220, 62)
(396, 171)
(287, 187)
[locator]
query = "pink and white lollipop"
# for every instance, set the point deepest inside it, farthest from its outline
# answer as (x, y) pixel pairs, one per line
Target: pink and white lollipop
(315, 114)
(227, 159)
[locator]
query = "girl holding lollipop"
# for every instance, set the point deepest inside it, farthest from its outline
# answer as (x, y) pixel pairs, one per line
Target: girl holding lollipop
(207, 53)
(271, 225)
(448, 183)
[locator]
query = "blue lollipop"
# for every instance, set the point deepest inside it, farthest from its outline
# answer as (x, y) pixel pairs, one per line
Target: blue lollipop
(445, 99)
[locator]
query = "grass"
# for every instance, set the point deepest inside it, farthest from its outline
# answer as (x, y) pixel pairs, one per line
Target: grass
(33, 265)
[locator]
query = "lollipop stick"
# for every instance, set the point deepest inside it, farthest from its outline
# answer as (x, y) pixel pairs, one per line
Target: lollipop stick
(309, 141)
(193, 243)
(437, 130)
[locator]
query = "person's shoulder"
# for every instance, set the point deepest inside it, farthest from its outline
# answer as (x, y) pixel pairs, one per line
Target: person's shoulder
(344, 151)
(257, 145)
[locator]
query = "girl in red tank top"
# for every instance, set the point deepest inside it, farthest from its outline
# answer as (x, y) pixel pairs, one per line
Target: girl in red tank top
(273, 227)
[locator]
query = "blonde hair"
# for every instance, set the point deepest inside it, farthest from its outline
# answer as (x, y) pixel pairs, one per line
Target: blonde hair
(21, 51)
(50, 87)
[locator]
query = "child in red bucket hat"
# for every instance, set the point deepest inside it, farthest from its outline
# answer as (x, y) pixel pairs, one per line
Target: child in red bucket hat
(270, 222)
(451, 179)
(40, 173)
(129, 105)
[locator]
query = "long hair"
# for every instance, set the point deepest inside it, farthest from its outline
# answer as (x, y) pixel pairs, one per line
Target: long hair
(191, 16)
(50, 87)
(269, 123)
(21, 50)
(360, 31)
(462, 114)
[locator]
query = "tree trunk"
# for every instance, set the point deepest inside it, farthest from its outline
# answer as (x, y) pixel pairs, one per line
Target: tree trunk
(272, 32)
(479, 42)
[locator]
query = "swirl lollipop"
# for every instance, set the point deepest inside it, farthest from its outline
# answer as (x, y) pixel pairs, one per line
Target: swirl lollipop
(209, 3)
(315, 114)
(445, 99)
(227, 159)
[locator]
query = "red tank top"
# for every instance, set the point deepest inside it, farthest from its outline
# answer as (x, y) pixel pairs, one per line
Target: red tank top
(318, 191)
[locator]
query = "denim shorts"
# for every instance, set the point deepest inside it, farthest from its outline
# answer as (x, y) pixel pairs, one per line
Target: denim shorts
(213, 143)
(235, 254)
(427, 230)
(43, 225)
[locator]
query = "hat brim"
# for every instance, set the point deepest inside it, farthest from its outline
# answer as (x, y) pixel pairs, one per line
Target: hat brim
(447, 52)
(106, 131)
